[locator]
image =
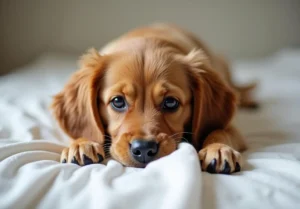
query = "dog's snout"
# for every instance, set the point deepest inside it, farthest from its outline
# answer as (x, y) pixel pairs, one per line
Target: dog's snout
(143, 151)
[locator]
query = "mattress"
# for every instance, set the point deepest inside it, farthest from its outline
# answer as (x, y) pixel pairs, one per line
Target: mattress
(30, 145)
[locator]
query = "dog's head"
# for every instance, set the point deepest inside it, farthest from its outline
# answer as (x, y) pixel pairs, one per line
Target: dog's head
(143, 101)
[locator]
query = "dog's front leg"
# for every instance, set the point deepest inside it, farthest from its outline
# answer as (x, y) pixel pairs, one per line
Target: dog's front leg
(220, 151)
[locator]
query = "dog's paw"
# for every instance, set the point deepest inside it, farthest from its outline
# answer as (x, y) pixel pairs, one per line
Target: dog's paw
(220, 158)
(83, 152)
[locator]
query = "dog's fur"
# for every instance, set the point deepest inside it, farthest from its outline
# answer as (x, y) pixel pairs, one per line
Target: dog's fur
(146, 65)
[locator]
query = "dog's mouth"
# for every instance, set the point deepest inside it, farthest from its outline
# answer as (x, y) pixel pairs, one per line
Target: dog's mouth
(139, 153)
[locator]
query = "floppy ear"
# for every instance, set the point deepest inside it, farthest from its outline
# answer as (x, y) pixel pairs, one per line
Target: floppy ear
(75, 107)
(214, 103)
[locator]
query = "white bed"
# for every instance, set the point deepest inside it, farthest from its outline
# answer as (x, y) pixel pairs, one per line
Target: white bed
(30, 146)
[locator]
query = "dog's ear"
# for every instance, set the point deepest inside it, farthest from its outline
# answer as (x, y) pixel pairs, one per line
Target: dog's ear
(75, 107)
(214, 102)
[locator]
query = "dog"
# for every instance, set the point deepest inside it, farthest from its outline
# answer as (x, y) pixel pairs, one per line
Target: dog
(142, 94)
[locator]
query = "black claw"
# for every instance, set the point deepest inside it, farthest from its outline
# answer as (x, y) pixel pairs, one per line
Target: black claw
(211, 168)
(64, 161)
(250, 106)
(226, 169)
(87, 160)
(74, 161)
(254, 106)
(100, 157)
(237, 167)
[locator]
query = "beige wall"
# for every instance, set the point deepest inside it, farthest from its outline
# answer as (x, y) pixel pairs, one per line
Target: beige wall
(238, 28)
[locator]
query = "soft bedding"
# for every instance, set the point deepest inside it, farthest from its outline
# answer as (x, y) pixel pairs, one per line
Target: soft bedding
(31, 142)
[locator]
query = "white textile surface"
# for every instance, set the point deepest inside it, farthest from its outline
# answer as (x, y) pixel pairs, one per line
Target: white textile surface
(30, 146)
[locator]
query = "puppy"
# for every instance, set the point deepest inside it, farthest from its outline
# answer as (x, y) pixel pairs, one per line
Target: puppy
(145, 92)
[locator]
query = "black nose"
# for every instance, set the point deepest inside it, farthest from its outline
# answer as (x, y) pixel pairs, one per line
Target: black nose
(143, 151)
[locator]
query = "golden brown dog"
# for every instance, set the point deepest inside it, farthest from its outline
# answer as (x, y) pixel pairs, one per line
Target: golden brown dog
(143, 93)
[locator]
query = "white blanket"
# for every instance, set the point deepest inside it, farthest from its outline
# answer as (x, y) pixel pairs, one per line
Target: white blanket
(30, 145)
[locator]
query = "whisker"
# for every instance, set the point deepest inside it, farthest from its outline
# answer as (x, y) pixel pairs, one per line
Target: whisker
(184, 132)
(185, 140)
(107, 142)
(177, 139)
(107, 155)
(181, 139)
(181, 133)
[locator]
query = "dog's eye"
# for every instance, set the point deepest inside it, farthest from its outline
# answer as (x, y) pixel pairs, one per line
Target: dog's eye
(118, 103)
(170, 104)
